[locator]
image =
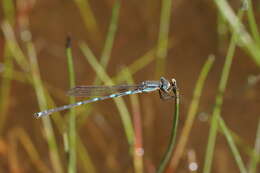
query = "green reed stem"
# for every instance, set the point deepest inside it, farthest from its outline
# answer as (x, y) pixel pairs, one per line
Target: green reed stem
(137, 122)
(192, 111)
(175, 122)
(72, 167)
(39, 90)
(218, 103)
(165, 21)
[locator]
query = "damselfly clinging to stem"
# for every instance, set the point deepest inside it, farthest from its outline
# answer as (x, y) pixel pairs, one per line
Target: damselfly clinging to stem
(166, 91)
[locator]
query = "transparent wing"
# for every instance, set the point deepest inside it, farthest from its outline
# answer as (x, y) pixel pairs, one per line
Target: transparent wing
(86, 91)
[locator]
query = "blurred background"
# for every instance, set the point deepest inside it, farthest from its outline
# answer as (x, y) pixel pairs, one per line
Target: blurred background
(212, 49)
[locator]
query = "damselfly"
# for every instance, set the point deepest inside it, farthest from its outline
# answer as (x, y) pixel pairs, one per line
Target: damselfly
(166, 91)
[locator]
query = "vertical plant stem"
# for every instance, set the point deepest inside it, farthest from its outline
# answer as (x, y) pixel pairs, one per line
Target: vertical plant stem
(72, 167)
(173, 136)
(162, 44)
(192, 111)
(39, 90)
(218, 103)
(137, 122)
(138, 145)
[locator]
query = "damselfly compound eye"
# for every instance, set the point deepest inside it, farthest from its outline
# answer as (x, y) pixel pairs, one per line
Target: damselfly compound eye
(165, 84)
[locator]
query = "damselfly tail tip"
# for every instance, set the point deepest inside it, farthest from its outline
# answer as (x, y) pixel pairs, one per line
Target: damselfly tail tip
(39, 114)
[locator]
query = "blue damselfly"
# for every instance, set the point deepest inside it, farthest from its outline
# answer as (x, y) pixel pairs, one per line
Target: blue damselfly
(164, 87)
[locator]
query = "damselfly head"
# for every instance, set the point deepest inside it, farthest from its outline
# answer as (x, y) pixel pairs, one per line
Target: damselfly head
(165, 84)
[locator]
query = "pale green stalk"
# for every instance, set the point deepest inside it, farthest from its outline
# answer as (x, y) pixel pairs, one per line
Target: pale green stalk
(165, 21)
(39, 90)
(137, 122)
(218, 104)
(72, 167)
